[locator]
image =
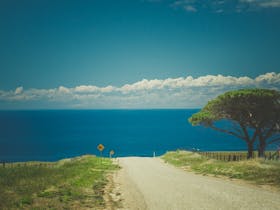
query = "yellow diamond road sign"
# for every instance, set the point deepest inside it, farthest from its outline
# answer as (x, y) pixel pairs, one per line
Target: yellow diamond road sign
(100, 147)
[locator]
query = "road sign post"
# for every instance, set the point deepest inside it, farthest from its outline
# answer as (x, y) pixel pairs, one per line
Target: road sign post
(100, 147)
(112, 152)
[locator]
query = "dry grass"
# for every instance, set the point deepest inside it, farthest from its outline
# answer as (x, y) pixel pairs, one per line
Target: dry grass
(76, 183)
(258, 171)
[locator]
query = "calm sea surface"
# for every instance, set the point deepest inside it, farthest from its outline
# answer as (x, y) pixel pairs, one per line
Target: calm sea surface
(55, 134)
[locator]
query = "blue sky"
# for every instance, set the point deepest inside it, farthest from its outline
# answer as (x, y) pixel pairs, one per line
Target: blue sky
(85, 54)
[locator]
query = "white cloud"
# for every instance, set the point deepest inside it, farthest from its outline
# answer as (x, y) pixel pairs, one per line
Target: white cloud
(107, 89)
(209, 80)
(86, 89)
(221, 6)
(63, 89)
(92, 89)
(142, 85)
(182, 92)
(187, 5)
(271, 78)
(153, 1)
(18, 90)
(263, 3)
(190, 8)
(270, 4)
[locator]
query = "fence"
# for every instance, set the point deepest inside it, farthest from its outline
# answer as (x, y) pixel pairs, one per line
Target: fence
(5, 164)
(237, 156)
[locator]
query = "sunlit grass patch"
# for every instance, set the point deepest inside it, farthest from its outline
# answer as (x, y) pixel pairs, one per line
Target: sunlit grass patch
(258, 171)
(74, 183)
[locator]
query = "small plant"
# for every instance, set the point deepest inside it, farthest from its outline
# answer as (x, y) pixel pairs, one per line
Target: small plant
(25, 201)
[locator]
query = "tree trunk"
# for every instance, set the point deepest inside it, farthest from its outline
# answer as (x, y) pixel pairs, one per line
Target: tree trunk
(261, 149)
(250, 149)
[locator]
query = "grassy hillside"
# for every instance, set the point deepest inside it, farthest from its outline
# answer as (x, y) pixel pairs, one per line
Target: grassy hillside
(257, 170)
(76, 183)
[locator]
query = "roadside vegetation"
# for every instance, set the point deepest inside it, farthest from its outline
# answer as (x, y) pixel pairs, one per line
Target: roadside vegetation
(76, 183)
(258, 171)
(252, 115)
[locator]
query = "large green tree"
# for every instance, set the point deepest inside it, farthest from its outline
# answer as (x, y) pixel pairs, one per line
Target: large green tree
(253, 114)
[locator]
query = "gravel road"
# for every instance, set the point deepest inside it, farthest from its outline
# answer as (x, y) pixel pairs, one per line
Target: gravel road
(149, 183)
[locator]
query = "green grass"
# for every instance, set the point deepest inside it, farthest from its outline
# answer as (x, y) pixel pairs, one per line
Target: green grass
(76, 183)
(257, 171)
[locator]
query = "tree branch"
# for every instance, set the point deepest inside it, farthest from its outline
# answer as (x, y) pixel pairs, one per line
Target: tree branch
(238, 131)
(245, 132)
(228, 132)
(255, 135)
(269, 133)
(274, 140)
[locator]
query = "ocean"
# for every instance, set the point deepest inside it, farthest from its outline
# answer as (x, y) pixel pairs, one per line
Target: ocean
(49, 135)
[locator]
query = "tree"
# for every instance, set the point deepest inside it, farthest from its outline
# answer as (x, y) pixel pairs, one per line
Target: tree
(254, 114)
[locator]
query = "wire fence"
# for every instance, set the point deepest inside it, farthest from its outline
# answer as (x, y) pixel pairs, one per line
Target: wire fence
(5, 164)
(223, 156)
(238, 156)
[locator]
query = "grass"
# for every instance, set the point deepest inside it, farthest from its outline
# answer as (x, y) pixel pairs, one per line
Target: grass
(76, 183)
(258, 171)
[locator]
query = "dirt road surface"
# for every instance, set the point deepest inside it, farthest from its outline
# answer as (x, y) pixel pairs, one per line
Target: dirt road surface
(149, 183)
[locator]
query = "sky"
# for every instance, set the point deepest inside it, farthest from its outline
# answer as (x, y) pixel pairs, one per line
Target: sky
(82, 54)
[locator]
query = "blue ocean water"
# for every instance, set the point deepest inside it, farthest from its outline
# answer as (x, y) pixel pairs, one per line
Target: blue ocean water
(54, 134)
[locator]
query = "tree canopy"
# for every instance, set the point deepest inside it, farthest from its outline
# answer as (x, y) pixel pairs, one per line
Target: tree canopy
(254, 113)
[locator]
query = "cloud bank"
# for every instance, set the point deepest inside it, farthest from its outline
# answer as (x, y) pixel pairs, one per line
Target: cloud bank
(219, 6)
(182, 92)
(263, 3)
